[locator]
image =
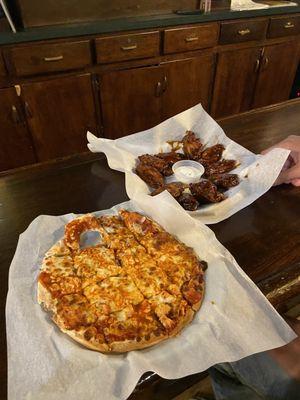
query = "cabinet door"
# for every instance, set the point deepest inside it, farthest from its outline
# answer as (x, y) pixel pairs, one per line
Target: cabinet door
(235, 81)
(59, 113)
(15, 143)
(131, 100)
(187, 83)
(277, 74)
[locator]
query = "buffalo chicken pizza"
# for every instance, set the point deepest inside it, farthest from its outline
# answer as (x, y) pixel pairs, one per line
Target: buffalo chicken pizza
(139, 286)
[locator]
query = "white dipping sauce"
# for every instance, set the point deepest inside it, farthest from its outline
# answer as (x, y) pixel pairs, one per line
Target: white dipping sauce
(189, 172)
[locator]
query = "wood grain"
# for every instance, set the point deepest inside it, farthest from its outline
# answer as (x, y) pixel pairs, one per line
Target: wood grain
(190, 38)
(189, 82)
(59, 113)
(2, 66)
(127, 47)
(276, 74)
(264, 237)
(283, 26)
(235, 81)
(44, 58)
(15, 144)
(254, 29)
(131, 100)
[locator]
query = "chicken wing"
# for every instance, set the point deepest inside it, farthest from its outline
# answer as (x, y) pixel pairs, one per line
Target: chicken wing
(220, 167)
(150, 175)
(206, 192)
(160, 164)
(188, 201)
(174, 188)
(225, 181)
(191, 145)
(212, 154)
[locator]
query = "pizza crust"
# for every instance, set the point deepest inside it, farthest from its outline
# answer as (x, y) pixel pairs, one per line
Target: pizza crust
(49, 301)
(45, 298)
(93, 345)
(129, 345)
(197, 306)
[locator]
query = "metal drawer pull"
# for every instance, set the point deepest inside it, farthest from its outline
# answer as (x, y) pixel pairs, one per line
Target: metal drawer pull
(289, 25)
(57, 58)
(125, 48)
(243, 32)
(191, 39)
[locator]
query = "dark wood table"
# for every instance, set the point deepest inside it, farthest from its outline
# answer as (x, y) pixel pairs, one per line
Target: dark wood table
(264, 237)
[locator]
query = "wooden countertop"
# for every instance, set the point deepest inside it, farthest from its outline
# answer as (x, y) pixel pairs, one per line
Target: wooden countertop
(264, 237)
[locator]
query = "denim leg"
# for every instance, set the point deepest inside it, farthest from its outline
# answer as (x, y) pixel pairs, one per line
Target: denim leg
(253, 378)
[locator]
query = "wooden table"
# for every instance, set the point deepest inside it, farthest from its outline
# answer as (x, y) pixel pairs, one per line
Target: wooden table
(264, 237)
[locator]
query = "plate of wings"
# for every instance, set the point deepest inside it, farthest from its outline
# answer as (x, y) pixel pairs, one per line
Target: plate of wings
(156, 171)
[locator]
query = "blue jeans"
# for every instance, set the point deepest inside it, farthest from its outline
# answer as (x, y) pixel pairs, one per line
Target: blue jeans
(253, 378)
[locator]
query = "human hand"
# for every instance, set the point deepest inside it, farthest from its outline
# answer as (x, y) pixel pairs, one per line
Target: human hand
(290, 172)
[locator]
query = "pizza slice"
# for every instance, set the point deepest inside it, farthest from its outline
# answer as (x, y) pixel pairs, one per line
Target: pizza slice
(178, 261)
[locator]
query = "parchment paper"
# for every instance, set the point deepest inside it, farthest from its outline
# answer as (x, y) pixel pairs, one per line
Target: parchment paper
(257, 172)
(234, 321)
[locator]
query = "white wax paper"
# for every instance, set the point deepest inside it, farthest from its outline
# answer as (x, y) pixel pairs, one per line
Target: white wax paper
(257, 172)
(234, 321)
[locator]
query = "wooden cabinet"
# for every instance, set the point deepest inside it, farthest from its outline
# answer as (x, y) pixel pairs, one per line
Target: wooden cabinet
(187, 83)
(137, 99)
(2, 67)
(277, 72)
(15, 145)
(59, 112)
(131, 100)
(254, 77)
(235, 81)
(145, 76)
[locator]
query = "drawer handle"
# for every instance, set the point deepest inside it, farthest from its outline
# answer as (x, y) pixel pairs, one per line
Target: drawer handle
(289, 25)
(243, 32)
(132, 47)
(191, 39)
(57, 58)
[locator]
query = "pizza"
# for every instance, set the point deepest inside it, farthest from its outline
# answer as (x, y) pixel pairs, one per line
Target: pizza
(139, 286)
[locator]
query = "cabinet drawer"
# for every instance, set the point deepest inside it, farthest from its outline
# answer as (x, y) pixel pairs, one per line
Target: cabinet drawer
(185, 39)
(242, 31)
(43, 58)
(284, 26)
(127, 47)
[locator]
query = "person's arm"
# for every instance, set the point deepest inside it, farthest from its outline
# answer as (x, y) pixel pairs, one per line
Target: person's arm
(290, 172)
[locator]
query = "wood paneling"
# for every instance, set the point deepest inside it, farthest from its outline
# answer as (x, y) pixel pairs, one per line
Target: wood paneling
(59, 113)
(190, 38)
(235, 81)
(243, 31)
(283, 26)
(131, 100)
(15, 144)
(2, 66)
(254, 235)
(277, 72)
(127, 47)
(45, 58)
(75, 11)
(189, 82)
